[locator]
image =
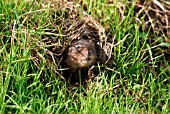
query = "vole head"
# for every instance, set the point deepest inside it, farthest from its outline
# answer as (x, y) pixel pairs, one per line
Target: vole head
(81, 54)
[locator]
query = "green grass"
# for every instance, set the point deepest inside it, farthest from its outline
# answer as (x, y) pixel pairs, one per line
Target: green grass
(138, 82)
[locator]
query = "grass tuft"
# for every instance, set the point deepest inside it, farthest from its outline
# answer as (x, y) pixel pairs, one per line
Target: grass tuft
(136, 82)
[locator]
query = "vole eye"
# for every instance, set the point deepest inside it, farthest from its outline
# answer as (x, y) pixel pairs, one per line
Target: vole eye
(77, 46)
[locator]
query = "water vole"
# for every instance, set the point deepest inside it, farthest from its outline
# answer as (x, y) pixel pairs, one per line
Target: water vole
(81, 54)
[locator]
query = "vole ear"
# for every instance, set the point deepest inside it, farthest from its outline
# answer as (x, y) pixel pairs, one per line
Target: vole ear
(84, 36)
(74, 41)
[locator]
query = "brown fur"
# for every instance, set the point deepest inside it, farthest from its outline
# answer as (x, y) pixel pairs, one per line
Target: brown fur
(79, 57)
(81, 54)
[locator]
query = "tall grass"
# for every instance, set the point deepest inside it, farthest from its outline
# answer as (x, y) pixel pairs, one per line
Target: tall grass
(137, 81)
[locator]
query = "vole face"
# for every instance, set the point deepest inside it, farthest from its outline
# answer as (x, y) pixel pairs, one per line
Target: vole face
(81, 54)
